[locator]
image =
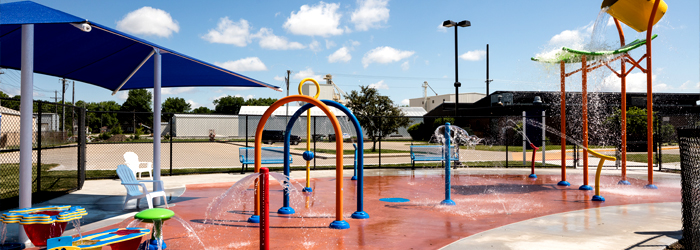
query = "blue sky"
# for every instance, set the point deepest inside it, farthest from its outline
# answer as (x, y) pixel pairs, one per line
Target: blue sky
(392, 45)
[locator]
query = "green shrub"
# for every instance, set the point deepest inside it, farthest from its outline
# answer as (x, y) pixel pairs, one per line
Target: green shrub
(417, 131)
(117, 130)
(104, 136)
(137, 134)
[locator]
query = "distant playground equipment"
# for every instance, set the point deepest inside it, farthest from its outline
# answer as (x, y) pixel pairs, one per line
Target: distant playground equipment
(534, 152)
(42, 223)
(308, 155)
(641, 15)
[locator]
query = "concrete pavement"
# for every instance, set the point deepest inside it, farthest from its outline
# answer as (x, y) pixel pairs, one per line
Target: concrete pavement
(652, 226)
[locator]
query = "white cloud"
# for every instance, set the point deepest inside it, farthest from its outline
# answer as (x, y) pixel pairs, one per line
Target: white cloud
(385, 55)
(317, 20)
(474, 55)
(329, 44)
(315, 46)
(271, 41)
(636, 82)
(148, 21)
(405, 102)
(244, 97)
(370, 14)
(122, 95)
(230, 32)
(441, 28)
(354, 43)
(379, 85)
(689, 86)
(279, 78)
(340, 55)
(567, 37)
(307, 73)
(175, 91)
(405, 66)
(193, 104)
(245, 64)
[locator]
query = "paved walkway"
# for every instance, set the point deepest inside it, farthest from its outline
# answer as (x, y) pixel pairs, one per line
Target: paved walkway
(651, 226)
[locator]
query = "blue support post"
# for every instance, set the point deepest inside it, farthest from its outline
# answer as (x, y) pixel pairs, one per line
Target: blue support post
(448, 201)
(354, 164)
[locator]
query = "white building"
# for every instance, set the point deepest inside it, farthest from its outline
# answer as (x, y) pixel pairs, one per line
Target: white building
(430, 102)
(199, 125)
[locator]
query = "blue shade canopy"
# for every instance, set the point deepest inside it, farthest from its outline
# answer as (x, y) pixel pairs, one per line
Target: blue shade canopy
(103, 56)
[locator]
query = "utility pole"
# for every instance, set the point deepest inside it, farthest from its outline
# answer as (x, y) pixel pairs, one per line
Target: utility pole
(63, 101)
(488, 81)
(55, 108)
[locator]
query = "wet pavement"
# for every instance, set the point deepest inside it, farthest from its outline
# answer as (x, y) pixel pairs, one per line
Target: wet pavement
(488, 200)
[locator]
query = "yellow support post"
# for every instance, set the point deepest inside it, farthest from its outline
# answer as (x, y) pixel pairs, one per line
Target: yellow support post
(308, 131)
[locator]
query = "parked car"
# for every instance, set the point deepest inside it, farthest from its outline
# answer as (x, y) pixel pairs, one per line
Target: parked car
(272, 136)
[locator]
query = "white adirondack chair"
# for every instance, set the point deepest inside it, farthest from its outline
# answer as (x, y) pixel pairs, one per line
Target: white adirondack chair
(132, 188)
(132, 161)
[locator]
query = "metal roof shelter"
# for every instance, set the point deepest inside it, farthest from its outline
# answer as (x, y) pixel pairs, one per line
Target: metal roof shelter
(36, 38)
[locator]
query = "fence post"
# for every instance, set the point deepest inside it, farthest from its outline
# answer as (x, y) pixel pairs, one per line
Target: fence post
(544, 142)
(380, 149)
(81, 148)
(507, 142)
(314, 139)
(171, 145)
(38, 147)
(524, 140)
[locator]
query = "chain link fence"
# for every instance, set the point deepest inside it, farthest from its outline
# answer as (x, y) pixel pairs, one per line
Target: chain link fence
(689, 140)
(57, 166)
(209, 143)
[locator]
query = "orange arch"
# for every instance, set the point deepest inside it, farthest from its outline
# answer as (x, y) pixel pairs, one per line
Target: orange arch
(338, 146)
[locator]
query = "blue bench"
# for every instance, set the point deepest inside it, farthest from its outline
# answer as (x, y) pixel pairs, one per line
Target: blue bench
(431, 153)
(268, 155)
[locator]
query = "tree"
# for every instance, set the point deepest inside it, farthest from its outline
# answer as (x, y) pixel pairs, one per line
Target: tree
(174, 105)
(228, 105)
(103, 114)
(376, 113)
(202, 110)
(139, 100)
(260, 101)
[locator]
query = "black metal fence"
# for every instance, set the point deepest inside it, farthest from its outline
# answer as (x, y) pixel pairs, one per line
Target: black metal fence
(209, 143)
(689, 141)
(58, 151)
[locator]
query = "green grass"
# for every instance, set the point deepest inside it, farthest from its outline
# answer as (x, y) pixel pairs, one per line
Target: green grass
(352, 151)
(51, 181)
(666, 158)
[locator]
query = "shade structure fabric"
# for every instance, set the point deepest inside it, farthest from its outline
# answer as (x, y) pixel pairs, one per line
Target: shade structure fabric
(104, 57)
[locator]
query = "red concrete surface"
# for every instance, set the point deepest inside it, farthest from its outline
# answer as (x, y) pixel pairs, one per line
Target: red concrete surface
(483, 202)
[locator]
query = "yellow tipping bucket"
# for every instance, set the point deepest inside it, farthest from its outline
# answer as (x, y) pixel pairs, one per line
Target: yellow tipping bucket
(635, 13)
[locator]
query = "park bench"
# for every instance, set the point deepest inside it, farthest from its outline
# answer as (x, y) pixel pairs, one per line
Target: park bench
(268, 155)
(431, 153)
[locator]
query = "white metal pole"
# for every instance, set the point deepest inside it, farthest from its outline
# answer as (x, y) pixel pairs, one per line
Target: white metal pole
(157, 60)
(524, 140)
(26, 124)
(544, 132)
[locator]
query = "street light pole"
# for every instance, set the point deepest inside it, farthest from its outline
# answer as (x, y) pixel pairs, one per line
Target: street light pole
(457, 83)
(450, 23)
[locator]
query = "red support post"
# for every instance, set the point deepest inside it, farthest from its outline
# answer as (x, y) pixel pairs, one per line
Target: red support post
(264, 209)
(563, 122)
(584, 103)
(650, 110)
(623, 103)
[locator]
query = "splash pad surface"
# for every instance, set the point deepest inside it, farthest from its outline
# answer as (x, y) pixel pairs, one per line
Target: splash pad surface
(484, 202)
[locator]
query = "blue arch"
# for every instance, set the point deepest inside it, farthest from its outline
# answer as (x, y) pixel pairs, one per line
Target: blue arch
(359, 214)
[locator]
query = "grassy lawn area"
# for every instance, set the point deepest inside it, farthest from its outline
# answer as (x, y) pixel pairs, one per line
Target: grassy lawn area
(666, 158)
(352, 151)
(51, 181)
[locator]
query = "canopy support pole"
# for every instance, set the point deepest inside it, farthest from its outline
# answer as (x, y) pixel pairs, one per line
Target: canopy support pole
(157, 69)
(134, 72)
(26, 124)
